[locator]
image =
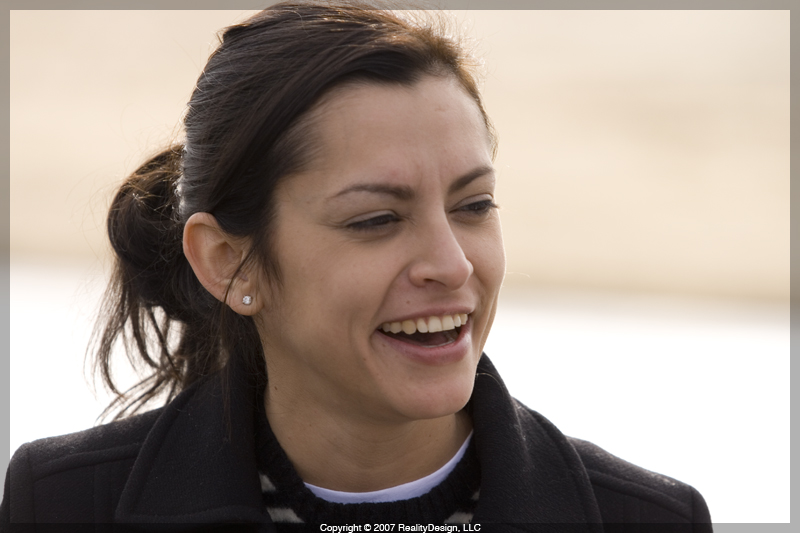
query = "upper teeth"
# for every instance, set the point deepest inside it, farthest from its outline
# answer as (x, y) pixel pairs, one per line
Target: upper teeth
(432, 324)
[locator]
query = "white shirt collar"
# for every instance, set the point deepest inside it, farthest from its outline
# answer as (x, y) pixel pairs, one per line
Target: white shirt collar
(406, 491)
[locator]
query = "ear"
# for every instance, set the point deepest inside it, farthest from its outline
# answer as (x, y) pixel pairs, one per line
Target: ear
(215, 257)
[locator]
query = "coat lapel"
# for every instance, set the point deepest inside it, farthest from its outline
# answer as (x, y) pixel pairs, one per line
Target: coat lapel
(195, 468)
(198, 465)
(530, 474)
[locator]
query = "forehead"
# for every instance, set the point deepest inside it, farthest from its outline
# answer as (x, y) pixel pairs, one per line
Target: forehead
(365, 130)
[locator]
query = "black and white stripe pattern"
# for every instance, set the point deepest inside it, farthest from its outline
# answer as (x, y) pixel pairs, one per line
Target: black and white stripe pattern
(282, 510)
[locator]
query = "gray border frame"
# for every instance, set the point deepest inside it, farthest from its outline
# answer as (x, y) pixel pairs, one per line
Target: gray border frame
(5, 193)
(5, 264)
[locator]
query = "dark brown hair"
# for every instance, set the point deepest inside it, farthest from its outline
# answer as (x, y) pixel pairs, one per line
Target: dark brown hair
(244, 131)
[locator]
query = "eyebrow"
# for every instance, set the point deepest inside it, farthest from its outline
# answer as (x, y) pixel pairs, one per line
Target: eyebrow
(469, 177)
(404, 192)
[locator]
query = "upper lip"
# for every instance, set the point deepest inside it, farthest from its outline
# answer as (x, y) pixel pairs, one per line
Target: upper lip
(438, 311)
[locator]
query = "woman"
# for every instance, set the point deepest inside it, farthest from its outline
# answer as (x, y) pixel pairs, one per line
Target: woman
(312, 275)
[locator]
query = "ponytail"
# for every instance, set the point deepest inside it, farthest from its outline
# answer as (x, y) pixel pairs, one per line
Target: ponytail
(154, 303)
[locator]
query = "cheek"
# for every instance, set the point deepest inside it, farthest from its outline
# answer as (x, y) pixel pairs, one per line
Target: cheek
(337, 288)
(488, 258)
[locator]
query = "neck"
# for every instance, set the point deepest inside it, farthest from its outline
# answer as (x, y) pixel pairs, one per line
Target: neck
(332, 450)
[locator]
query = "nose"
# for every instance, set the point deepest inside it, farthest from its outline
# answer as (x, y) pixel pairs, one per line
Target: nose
(439, 257)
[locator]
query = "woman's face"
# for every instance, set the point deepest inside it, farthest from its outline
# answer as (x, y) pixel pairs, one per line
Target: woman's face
(391, 227)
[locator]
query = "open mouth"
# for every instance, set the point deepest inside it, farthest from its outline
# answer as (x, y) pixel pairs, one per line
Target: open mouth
(429, 332)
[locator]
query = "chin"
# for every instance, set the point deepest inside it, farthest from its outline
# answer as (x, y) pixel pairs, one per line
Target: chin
(438, 398)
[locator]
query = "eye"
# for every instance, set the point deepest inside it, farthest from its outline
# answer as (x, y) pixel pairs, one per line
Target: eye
(478, 208)
(374, 223)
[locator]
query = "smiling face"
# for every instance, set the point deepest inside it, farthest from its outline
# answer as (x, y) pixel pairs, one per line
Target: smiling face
(391, 227)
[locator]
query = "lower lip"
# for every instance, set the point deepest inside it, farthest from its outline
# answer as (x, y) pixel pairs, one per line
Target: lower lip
(433, 355)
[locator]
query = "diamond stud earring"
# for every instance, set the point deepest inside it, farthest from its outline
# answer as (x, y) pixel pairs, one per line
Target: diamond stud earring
(247, 300)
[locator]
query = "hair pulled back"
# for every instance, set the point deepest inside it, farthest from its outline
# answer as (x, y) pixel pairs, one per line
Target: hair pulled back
(247, 126)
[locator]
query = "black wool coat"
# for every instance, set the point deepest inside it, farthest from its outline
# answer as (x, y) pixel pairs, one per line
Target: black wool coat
(188, 464)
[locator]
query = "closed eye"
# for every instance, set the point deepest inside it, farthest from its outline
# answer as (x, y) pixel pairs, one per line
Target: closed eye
(374, 223)
(478, 208)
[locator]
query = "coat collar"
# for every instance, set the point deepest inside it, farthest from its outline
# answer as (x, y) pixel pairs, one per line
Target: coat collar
(198, 464)
(194, 468)
(530, 474)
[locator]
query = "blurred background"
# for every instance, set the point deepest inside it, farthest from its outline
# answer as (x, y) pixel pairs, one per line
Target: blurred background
(644, 187)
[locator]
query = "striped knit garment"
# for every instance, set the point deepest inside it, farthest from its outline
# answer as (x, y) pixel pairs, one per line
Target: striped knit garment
(288, 500)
